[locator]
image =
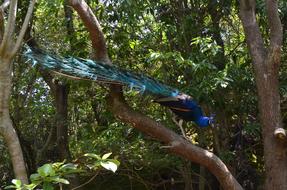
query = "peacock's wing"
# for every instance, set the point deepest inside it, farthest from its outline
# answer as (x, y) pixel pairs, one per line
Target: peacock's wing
(79, 68)
(183, 106)
(174, 103)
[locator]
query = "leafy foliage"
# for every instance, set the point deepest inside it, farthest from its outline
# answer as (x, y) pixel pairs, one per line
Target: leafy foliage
(49, 175)
(195, 46)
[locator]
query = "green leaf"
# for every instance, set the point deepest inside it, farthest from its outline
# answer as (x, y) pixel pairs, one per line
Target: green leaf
(114, 161)
(105, 156)
(68, 166)
(48, 186)
(109, 166)
(132, 44)
(35, 177)
(17, 182)
(92, 155)
(30, 186)
(46, 170)
(57, 164)
(10, 187)
(61, 180)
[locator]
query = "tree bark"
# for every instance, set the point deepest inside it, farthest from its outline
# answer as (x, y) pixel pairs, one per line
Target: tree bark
(266, 63)
(95, 31)
(70, 25)
(176, 144)
(60, 92)
(61, 102)
(8, 50)
(6, 128)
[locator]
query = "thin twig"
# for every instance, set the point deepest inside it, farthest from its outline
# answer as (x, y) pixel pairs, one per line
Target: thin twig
(9, 30)
(46, 145)
(24, 27)
(5, 5)
(87, 182)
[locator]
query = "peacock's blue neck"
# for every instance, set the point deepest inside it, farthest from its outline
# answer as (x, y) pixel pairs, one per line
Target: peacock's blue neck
(203, 121)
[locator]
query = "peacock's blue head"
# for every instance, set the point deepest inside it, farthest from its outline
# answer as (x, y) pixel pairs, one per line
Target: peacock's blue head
(204, 121)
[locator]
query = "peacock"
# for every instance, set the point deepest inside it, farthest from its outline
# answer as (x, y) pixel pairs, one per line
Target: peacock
(182, 105)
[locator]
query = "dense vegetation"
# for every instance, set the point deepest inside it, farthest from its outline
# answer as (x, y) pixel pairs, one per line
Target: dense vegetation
(198, 47)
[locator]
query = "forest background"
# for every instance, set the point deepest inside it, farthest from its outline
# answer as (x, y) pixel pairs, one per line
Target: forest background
(204, 48)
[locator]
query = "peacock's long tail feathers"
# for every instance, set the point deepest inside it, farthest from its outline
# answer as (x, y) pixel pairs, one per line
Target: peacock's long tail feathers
(98, 71)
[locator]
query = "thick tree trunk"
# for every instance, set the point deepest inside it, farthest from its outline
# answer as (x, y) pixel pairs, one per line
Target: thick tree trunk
(266, 64)
(275, 157)
(61, 101)
(6, 128)
(8, 50)
(60, 93)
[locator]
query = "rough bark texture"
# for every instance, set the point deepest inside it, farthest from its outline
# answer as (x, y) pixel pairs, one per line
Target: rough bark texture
(176, 144)
(266, 63)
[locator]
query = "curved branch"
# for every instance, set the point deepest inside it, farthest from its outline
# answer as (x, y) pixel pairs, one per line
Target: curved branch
(4, 5)
(9, 30)
(252, 31)
(23, 28)
(94, 29)
(177, 144)
(119, 107)
(276, 32)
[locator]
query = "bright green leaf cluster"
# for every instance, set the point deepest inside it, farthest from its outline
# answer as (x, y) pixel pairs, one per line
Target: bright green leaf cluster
(52, 174)
(109, 164)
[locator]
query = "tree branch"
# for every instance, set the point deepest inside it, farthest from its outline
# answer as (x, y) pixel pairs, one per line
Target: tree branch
(252, 31)
(177, 144)
(2, 20)
(94, 29)
(46, 145)
(5, 5)
(276, 32)
(24, 27)
(119, 107)
(9, 30)
(274, 22)
(266, 67)
(87, 182)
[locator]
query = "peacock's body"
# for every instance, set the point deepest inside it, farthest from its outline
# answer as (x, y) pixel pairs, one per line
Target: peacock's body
(182, 105)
